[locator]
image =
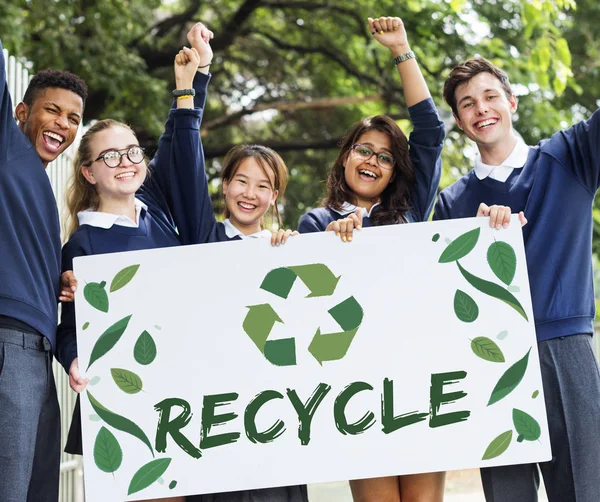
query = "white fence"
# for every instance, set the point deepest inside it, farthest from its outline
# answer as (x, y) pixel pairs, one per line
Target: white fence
(71, 477)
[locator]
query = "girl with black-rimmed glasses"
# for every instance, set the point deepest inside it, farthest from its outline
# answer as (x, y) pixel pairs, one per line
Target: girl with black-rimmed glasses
(379, 177)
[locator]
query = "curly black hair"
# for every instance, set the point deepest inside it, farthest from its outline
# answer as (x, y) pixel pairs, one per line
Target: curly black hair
(395, 199)
(47, 79)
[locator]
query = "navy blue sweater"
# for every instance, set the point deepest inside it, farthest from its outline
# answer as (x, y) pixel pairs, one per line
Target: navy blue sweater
(556, 190)
(29, 228)
(169, 192)
(425, 147)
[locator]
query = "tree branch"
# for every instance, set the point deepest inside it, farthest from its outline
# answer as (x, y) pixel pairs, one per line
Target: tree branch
(289, 146)
(315, 104)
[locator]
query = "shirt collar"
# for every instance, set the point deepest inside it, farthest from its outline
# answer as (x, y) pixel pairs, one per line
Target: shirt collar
(515, 160)
(106, 220)
(232, 232)
(348, 208)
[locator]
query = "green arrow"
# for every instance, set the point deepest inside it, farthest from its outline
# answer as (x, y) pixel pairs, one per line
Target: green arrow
(333, 346)
(279, 281)
(259, 322)
(318, 278)
(281, 352)
(348, 314)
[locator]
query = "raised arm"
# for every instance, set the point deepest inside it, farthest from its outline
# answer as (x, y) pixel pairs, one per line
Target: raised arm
(427, 138)
(178, 174)
(10, 136)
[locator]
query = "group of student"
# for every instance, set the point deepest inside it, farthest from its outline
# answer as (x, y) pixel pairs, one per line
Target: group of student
(118, 202)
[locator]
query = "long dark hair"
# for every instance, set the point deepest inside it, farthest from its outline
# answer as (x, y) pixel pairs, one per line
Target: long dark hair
(395, 199)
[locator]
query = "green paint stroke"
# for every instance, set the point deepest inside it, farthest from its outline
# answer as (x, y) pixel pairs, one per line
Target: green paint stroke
(144, 351)
(317, 278)
(436, 237)
(460, 247)
(306, 411)
(270, 434)
(498, 446)
(96, 295)
(465, 307)
(487, 349)
(123, 277)
(148, 474)
(108, 454)
(526, 426)
(85, 326)
(279, 282)
(502, 260)
(334, 346)
(172, 484)
(493, 290)
(281, 352)
(108, 339)
(339, 411)
(127, 381)
(119, 422)
(510, 379)
(535, 394)
(259, 322)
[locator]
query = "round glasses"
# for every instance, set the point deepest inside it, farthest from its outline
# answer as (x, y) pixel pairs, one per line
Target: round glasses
(363, 152)
(113, 158)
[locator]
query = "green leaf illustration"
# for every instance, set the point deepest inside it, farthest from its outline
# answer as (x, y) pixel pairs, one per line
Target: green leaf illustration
(85, 326)
(514, 289)
(535, 394)
(460, 247)
(493, 290)
(126, 380)
(526, 426)
(510, 379)
(108, 454)
(108, 339)
(148, 474)
(435, 238)
(94, 380)
(503, 261)
(465, 307)
(119, 422)
(123, 277)
(498, 446)
(487, 349)
(502, 335)
(144, 350)
(172, 484)
(96, 295)
(94, 418)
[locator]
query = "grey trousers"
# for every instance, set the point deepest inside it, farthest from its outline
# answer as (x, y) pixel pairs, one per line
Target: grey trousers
(571, 381)
(29, 419)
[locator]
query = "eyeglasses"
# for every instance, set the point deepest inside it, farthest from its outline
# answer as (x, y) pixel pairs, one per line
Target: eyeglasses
(385, 160)
(113, 158)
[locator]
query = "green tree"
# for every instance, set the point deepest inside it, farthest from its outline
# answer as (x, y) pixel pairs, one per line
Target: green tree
(295, 74)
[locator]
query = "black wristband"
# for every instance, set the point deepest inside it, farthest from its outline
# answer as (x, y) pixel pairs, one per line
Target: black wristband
(206, 65)
(183, 92)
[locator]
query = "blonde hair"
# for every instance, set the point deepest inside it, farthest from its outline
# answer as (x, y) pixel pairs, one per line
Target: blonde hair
(81, 194)
(266, 159)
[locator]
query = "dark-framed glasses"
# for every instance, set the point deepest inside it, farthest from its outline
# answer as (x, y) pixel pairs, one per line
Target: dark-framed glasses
(364, 152)
(113, 158)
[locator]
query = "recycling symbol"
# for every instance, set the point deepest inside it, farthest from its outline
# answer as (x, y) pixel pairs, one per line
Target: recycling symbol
(317, 277)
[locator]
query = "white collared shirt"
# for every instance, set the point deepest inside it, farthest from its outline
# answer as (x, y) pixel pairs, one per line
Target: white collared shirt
(351, 208)
(501, 172)
(232, 231)
(106, 220)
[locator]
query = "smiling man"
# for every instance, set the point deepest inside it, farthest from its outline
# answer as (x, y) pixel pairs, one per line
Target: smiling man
(48, 119)
(554, 183)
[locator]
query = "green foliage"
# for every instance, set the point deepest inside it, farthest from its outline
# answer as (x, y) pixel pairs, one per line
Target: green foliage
(295, 75)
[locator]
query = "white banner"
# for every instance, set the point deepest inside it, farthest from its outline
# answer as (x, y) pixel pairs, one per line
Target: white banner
(236, 365)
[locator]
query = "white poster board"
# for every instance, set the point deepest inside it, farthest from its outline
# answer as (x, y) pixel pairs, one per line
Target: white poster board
(410, 349)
